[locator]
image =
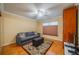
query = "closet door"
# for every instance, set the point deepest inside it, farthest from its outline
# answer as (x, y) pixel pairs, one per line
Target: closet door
(0, 30)
(0, 35)
(69, 20)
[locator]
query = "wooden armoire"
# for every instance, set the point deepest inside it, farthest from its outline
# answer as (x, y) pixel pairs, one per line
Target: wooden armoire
(70, 27)
(70, 24)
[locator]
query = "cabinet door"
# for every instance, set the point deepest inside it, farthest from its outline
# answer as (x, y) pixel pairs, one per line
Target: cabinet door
(69, 20)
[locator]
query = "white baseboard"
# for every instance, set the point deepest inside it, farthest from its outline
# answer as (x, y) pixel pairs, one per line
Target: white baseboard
(7, 44)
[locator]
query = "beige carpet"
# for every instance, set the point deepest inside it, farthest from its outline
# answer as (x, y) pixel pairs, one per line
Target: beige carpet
(40, 50)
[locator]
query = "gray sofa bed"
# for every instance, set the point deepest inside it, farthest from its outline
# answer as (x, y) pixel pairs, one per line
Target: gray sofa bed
(25, 37)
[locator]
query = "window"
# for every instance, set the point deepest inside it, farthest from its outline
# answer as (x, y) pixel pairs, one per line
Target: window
(50, 28)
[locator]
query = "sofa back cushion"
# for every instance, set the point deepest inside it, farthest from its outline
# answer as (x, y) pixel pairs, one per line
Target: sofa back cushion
(29, 33)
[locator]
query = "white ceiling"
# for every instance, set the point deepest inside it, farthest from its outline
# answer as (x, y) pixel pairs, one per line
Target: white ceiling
(52, 10)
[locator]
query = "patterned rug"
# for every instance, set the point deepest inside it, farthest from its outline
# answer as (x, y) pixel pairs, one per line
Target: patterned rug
(40, 50)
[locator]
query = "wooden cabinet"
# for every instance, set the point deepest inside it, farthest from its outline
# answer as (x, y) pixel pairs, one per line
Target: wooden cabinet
(69, 24)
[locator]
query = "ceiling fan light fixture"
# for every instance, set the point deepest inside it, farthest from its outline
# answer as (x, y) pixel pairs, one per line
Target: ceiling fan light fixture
(41, 13)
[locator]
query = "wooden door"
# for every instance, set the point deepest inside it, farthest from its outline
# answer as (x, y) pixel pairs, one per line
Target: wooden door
(69, 19)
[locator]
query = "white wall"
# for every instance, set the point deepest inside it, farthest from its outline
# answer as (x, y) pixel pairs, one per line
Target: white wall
(14, 24)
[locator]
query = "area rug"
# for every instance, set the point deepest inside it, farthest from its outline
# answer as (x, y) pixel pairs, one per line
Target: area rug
(40, 50)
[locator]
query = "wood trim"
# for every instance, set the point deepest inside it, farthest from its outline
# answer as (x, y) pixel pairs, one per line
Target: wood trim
(76, 37)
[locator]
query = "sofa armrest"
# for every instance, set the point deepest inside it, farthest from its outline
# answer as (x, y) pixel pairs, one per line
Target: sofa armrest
(18, 40)
(38, 34)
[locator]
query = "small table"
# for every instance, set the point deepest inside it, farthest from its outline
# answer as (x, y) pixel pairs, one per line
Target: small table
(38, 41)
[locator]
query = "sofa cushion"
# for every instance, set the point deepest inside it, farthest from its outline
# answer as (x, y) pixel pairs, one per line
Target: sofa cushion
(29, 37)
(30, 33)
(25, 38)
